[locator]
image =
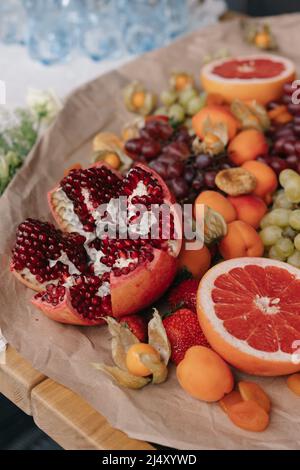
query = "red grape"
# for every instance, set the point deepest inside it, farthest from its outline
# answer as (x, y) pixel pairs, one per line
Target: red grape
(203, 161)
(179, 187)
(289, 147)
(175, 169)
(292, 161)
(278, 164)
(209, 179)
(151, 149)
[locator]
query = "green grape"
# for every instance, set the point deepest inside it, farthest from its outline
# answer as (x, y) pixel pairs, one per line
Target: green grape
(186, 95)
(168, 97)
(294, 219)
(176, 113)
(294, 260)
(281, 201)
(288, 232)
(297, 242)
(292, 190)
(279, 217)
(188, 123)
(270, 235)
(161, 111)
(274, 254)
(285, 177)
(194, 105)
(285, 247)
(265, 221)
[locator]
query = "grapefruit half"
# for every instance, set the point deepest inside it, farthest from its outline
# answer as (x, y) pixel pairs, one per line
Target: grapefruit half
(249, 311)
(255, 77)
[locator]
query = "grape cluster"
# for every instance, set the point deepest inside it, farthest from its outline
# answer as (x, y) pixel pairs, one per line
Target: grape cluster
(169, 151)
(281, 226)
(285, 149)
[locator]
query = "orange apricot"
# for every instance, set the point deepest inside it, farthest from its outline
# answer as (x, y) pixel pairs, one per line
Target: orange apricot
(217, 202)
(216, 114)
(252, 391)
(247, 145)
(197, 262)
(214, 99)
(133, 360)
(249, 208)
(204, 375)
(249, 415)
(293, 382)
(229, 400)
(241, 240)
(266, 179)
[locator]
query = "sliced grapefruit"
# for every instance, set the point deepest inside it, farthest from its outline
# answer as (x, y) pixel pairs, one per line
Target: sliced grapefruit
(249, 311)
(256, 77)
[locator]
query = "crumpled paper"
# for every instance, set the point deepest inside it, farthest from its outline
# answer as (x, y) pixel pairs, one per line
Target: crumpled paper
(3, 346)
(162, 414)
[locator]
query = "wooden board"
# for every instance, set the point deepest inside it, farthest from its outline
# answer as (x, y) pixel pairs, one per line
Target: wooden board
(74, 424)
(17, 379)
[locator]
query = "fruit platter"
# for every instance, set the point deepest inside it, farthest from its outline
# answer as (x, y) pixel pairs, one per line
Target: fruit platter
(181, 326)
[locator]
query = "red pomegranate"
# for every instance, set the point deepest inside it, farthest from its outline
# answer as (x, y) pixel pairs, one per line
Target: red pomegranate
(83, 275)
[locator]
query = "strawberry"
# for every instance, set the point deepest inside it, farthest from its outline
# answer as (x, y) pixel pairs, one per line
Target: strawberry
(138, 325)
(184, 295)
(183, 331)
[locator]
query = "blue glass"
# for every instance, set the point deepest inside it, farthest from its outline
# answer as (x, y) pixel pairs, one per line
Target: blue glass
(12, 22)
(177, 14)
(51, 33)
(101, 38)
(143, 24)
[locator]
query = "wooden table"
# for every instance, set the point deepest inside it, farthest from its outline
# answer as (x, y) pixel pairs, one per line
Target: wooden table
(59, 412)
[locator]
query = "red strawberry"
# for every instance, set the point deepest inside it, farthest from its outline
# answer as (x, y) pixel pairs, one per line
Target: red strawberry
(183, 331)
(184, 295)
(138, 325)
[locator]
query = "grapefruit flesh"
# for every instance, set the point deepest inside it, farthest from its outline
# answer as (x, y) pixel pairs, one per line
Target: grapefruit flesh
(256, 77)
(249, 310)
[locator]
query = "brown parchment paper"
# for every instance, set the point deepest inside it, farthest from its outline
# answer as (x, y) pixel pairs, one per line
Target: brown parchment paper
(162, 414)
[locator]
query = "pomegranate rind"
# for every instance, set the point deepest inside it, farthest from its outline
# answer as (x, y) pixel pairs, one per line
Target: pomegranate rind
(262, 90)
(64, 312)
(146, 284)
(33, 286)
(237, 352)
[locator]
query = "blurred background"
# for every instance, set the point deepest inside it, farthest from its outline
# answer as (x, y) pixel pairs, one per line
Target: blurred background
(60, 44)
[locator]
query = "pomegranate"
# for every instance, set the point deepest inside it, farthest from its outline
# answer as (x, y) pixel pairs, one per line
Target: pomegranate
(43, 254)
(81, 274)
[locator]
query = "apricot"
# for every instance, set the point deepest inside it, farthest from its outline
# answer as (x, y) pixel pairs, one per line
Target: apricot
(252, 391)
(249, 208)
(247, 145)
(197, 262)
(249, 415)
(133, 361)
(216, 114)
(229, 400)
(217, 202)
(204, 375)
(214, 99)
(266, 179)
(241, 240)
(293, 382)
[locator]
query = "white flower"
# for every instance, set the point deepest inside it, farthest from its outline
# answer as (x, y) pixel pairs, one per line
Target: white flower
(44, 103)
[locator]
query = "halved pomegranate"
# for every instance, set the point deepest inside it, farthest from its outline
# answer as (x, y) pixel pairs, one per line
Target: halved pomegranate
(119, 276)
(43, 255)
